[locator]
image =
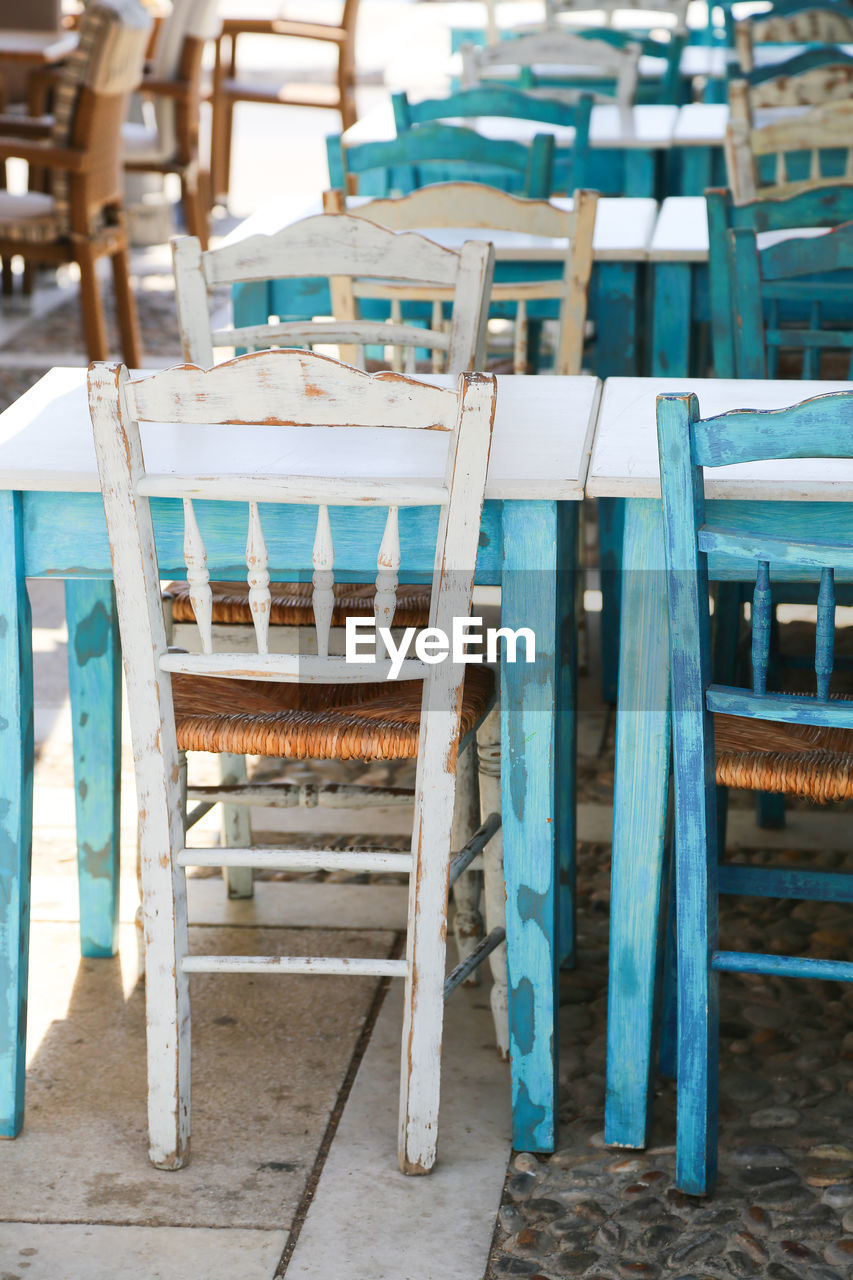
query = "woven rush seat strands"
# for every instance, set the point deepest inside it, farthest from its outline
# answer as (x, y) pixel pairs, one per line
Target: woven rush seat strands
(313, 722)
(810, 761)
(291, 604)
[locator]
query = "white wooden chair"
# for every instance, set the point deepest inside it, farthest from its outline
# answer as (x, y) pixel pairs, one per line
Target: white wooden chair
(293, 705)
(808, 25)
(166, 139)
(649, 12)
(556, 52)
(351, 250)
(823, 129)
(470, 205)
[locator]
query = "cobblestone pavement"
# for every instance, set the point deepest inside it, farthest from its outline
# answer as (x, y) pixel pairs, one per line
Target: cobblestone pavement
(783, 1207)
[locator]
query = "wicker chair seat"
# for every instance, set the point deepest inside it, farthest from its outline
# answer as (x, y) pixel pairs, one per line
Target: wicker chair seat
(313, 722)
(291, 603)
(810, 761)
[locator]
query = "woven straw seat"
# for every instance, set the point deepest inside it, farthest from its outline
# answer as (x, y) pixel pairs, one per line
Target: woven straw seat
(810, 761)
(291, 604)
(313, 722)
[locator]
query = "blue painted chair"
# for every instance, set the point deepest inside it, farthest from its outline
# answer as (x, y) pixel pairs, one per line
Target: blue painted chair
(754, 739)
(821, 206)
(442, 153)
(570, 163)
(811, 271)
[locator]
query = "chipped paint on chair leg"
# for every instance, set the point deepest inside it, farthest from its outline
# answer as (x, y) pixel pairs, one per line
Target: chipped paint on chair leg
(489, 760)
(236, 826)
(467, 890)
(16, 812)
(94, 680)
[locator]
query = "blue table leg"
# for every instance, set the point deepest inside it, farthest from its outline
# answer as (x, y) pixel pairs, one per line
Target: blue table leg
(529, 777)
(639, 822)
(640, 166)
(696, 170)
(611, 529)
(672, 320)
(16, 811)
(618, 307)
(568, 514)
(94, 679)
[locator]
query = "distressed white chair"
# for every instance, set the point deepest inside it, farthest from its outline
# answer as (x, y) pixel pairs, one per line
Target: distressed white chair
(822, 134)
(557, 52)
(293, 705)
(472, 205)
(350, 250)
(810, 24)
(166, 139)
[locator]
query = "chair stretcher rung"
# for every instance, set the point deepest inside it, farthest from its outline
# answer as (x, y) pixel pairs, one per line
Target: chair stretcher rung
(779, 882)
(477, 956)
(278, 859)
(475, 845)
(291, 795)
(782, 966)
(330, 965)
(197, 813)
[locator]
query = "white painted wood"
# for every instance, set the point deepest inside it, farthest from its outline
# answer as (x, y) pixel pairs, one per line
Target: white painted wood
(555, 50)
(344, 250)
(288, 668)
(278, 858)
(625, 454)
(542, 437)
(258, 578)
(236, 820)
(829, 125)
(388, 566)
(323, 595)
(198, 577)
(256, 387)
(467, 921)
(308, 795)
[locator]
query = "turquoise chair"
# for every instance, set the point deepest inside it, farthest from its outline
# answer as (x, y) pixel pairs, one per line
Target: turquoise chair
(754, 738)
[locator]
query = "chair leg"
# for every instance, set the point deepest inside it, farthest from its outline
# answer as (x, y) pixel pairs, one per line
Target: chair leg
(467, 921)
(92, 306)
(236, 827)
(128, 320)
(8, 279)
(489, 754)
(195, 213)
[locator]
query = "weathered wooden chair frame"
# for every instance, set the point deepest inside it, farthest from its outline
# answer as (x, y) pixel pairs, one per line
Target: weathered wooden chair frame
(793, 22)
(470, 204)
(287, 389)
(228, 90)
(822, 134)
(817, 428)
(806, 79)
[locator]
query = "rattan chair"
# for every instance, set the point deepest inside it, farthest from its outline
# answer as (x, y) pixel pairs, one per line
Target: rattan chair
(229, 88)
(166, 140)
(296, 705)
(81, 219)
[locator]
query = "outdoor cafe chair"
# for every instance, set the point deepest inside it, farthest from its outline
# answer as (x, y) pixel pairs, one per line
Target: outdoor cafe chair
(793, 22)
(806, 79)
(523, 292)
(294, 705)
(166, 139)
(799, 153)
(754, 739)
(82, 219)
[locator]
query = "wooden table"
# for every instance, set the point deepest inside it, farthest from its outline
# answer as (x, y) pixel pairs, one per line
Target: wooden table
(623, 232)
(797, 495)
(52, 525)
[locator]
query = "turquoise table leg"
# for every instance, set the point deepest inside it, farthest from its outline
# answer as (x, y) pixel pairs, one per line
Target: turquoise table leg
(697, 165)
(639, 822)
(567, 729)
(618, 308)
(611, 529)
(640, 169)
(529, 777)
(94, 679)
(672, 319)
(16, 812)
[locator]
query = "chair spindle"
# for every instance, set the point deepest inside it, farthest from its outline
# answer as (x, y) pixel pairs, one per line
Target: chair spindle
(323, 599)
(825, 636)
(258, 578)
(761, 618)
(387, 564)
(198, 576)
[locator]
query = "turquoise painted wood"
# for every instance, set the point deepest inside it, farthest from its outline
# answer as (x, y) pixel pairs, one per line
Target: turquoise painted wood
(94, 678)
(571, 164)
(819, 427)
(812, 271)
(441, 152)
(823, 55)
(528, 547)
(672, 319)
(16, 812)
(821, 207)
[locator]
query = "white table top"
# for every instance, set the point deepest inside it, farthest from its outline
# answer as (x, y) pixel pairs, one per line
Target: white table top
(609, 126)
(623, 229)
(625, 454)
(540, 449)
(703, 124)
(681, 232)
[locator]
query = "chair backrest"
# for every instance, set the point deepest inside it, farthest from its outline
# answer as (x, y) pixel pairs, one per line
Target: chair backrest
(652, 11)
(818, 428)
(469, 206)
(796, 22)
(808, 272)
(90, 104)
(438, 152)
(362, 260)
(506, 102)
(793, 154)
(557, 51)
(822, 206)
(807, 79)
(282, 392)
(178, 56)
